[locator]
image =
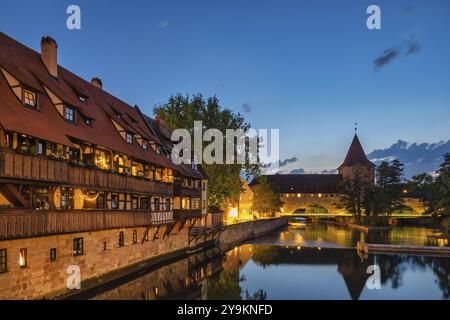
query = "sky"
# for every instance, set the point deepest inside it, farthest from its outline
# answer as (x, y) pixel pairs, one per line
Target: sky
(308, 68)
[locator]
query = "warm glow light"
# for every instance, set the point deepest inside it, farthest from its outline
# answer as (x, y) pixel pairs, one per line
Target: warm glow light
(22, 258)
(320, 195)
(102, 163)
(233, 213)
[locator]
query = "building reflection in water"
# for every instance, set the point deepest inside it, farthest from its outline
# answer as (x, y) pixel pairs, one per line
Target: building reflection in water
(213, 274)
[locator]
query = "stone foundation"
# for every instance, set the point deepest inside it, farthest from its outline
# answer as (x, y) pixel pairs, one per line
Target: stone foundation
(42, 278)
(239, 232)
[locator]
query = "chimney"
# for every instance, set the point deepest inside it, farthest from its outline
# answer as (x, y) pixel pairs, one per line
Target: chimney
(49, 55)
(97, 82)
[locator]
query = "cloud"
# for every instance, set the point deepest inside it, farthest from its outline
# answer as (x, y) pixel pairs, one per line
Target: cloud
(247, 107)
(331, 171)
(407, 47)
(417, 157)
(164, 24)
(287, 161)
(298, 171)
(408, 10)
(413, 47)
(385, 58)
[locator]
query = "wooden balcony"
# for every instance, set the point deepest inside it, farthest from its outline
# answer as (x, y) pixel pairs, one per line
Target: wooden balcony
(25, 167)
(181, 191)
(31, 223)
(180, 214)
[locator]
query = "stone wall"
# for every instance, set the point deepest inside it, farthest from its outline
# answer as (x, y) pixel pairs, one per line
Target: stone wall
(239, 232)
(42, 277)
(328, 201)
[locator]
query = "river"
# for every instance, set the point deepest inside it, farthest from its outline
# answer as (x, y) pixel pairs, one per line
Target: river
(311, 261)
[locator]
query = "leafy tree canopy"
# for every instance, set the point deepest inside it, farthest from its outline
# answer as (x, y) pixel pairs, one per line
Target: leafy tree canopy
(181, 112)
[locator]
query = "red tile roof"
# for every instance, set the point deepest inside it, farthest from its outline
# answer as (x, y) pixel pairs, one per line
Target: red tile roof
(304, 183)
(26, 66)
(356, 155)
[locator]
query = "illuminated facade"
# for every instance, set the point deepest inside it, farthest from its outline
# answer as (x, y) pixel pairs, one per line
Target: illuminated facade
(82, 174)
(318, 194)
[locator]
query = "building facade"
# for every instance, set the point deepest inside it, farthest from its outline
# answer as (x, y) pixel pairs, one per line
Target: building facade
(318, 194)
(85, 178)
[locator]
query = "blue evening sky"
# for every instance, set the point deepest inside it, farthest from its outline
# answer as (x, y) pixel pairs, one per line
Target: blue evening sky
(305, 67)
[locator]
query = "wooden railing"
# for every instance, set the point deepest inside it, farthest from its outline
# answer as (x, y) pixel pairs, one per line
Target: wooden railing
(187, 213)
(22, 223)
(38, 168)
(179, 190)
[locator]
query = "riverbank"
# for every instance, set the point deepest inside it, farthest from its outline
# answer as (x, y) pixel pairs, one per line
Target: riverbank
(232, 235)
(240, 232)
(388, 248)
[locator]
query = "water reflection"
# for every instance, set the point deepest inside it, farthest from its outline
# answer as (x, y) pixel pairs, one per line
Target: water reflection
(258, 271)
(326, 235)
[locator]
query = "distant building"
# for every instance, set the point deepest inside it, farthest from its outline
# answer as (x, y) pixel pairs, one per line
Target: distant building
(319, 193)
(243, 209)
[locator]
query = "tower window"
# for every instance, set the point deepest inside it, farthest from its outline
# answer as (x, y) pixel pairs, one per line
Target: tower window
(121, 239)
(53, 254)
(78, 248)
(30, 99)
(135, 237)
(3, 261)
(69, 114)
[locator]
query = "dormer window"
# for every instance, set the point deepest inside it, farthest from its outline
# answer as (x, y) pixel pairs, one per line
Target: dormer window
(69, 114)
(129, 138)
(30, 99)
(145, 145)
(82, 99)
(134, 123)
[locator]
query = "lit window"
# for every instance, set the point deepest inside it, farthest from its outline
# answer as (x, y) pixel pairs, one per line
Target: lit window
(23, 258)
(29, 99)
(82, 99)
(129, 138)
(78, 249)
(3, 261)
(134, 203)
(88, 122)
(41, 148)
(69, 114)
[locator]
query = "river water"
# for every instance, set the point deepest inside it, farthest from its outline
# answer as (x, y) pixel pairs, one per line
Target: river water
(312, 261)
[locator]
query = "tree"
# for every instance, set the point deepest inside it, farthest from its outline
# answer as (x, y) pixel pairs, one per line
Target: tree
(353, 195)
(388, 191)
(181, 112)
(266, 198)
(360, 197)
(440, 204)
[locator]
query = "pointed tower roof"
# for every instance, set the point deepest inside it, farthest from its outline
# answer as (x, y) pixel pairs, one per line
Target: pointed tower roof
(356, 155)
